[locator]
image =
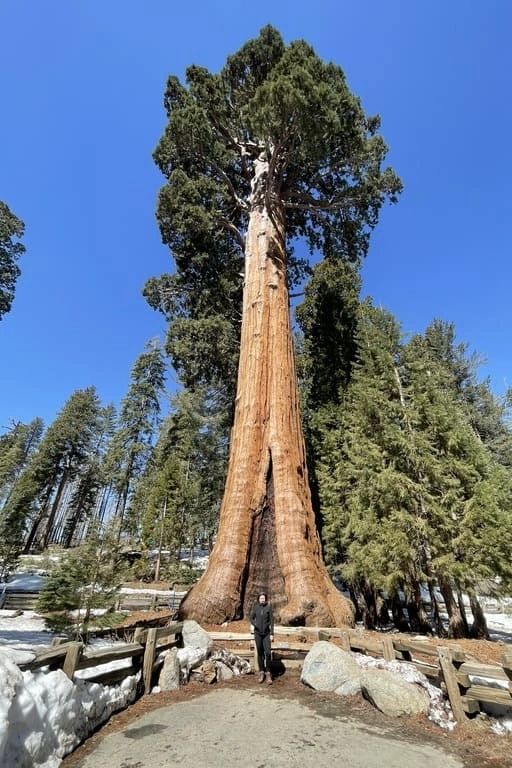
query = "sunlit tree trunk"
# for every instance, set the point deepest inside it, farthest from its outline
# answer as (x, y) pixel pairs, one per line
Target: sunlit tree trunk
(267, 538)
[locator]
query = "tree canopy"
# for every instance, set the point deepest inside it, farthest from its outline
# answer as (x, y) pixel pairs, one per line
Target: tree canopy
(272, 104)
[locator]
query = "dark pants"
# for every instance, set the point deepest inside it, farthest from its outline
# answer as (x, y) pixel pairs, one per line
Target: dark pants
(263, 649)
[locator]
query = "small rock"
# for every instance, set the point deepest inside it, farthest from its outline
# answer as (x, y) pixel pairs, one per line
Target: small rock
(169, 679)
(223, 671)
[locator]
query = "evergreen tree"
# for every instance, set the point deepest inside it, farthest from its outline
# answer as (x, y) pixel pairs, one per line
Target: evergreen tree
(182, 488)
(327, 318)
(471, 491)
(11, 230)
(410, 493)
(90, 480)
(62, 452)
(371, 492)
(16, 447)
(131, 444)
(487, 414)
(272, 149)
(85, 579)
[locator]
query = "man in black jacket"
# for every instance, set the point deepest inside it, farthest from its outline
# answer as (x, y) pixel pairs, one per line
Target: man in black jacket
(262, 621)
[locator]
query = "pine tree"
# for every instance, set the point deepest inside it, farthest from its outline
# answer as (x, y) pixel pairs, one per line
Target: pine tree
(487, 414)
(16, 447)
(86, 578)
(182, 488)
(327, 318)
(370, 489)
(410, 493)
(89, 482)
(271, 149)
(471, 491)
(62, 452)
(11, 231)
(138, 421)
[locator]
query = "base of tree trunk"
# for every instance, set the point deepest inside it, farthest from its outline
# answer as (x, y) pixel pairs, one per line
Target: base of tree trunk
(325, 610)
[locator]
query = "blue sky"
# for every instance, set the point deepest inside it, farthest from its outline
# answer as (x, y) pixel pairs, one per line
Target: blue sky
(82, 85)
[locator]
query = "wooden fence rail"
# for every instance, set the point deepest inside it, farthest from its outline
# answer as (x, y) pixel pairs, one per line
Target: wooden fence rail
(467, 684)
(128, 601)
(447, 666)
(146, 646)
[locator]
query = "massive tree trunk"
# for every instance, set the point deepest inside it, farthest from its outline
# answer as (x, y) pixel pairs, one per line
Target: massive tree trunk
(267, 538)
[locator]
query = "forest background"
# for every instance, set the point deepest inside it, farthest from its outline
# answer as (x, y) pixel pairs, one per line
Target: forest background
(84, 92)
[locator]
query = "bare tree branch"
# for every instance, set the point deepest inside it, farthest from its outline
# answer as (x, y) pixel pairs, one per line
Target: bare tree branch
(234, 230)
(227, 181)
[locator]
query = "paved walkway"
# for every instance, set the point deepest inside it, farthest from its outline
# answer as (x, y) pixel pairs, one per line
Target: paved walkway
(247, 729)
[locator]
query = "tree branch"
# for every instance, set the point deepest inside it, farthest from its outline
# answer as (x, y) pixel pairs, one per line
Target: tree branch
(234, 230)
(314, 204)
(227, 181)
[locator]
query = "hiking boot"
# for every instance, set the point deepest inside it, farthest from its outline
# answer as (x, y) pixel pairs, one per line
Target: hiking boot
(262, 677)
(268, 678)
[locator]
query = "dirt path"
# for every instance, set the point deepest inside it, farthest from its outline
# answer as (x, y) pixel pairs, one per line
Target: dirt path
(240, 724)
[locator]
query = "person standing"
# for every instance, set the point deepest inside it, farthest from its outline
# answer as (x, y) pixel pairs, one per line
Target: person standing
(262, 621)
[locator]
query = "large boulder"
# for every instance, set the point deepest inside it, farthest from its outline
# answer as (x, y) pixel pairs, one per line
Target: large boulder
(329, 668)
(393, 696)
(194, 636)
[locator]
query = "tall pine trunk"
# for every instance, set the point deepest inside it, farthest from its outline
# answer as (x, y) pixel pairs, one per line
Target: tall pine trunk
(267, 538)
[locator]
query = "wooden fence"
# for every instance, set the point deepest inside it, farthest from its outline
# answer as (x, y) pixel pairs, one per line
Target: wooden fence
(146, 645)
(448, 666)
(143, 602)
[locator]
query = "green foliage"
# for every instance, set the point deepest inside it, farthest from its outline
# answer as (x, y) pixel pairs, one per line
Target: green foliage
(410, 493)
(139, 418)
(16, 447)
(58, 461)
(182, 574)
(182, 489)
(327, 318)
(90, 478)
(273, 104)
(85, 579)
(11, 230)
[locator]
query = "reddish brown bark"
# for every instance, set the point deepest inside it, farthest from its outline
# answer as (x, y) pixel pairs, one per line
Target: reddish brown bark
(267, 538)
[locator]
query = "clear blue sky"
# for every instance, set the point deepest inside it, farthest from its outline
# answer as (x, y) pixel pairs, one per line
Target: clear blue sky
(82, 83)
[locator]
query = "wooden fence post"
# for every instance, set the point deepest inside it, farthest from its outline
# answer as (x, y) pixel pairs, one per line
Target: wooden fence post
(506, 663)
(388, 649)
(452, 685)
(149, 659)
(72, 658)
(345, 641)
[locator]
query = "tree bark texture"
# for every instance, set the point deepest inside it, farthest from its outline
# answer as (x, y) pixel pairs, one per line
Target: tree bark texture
(479, 629)
(267, 538)
(456, 623)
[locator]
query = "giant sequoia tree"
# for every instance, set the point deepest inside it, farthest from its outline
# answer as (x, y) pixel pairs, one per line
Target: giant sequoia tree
(272, 150)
